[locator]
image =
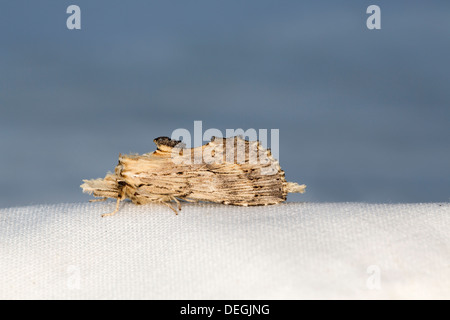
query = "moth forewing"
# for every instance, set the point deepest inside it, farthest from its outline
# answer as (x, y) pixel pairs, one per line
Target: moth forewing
(226, 170)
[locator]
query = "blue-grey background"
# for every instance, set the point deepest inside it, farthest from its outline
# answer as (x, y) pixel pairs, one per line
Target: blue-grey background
(363, 115)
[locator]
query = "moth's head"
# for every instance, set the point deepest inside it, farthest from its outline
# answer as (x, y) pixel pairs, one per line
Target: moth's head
(166, 144)
(166, 141)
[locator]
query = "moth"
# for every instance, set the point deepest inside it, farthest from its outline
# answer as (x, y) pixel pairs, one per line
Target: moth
(232, 171)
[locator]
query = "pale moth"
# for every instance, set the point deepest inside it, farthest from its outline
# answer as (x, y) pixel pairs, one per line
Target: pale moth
(231, 171)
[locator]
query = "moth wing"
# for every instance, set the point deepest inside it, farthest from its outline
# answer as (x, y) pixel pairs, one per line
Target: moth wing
(238, 172)
(230, 171)
(151, 177)
(106, 187)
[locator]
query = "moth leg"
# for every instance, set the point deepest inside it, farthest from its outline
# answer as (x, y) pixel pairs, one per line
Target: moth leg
(98, 200)
(170, 206)
(115, 211)
(178, 203)
(190, 200)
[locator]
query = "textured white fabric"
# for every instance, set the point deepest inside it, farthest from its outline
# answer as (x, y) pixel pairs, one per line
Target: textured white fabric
(287, 251)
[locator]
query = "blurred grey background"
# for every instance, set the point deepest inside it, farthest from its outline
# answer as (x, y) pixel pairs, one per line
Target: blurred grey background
(363, 114)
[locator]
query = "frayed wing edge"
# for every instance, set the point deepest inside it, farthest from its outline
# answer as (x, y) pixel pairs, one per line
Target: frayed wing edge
(106, 187)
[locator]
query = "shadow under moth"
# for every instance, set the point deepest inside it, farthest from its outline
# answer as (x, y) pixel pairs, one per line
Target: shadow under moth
(231, 171)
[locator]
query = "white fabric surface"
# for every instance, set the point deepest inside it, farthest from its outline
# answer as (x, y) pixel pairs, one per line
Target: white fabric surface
(287, 251)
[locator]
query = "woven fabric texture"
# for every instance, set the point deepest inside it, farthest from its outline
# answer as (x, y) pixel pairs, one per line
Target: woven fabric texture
(208, 251)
